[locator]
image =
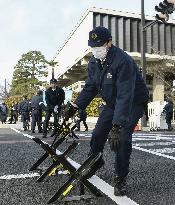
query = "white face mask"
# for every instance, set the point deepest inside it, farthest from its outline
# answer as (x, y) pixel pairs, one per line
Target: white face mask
(100, 52)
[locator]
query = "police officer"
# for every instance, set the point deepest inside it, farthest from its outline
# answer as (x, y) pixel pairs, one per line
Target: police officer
(113, 74)
(36, 107)
(14, 113)
(24, 109)
(3, 112)
(54, 97)
(82, 115)
(168, 109)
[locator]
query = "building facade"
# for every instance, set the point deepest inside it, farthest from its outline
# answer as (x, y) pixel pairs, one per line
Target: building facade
(125, 28)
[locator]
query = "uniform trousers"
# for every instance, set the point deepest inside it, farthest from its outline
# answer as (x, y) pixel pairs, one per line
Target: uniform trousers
(36, 119)
(102, 129)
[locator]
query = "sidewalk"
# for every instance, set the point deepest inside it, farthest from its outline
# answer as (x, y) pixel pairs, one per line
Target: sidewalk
(91, 121)
(18, 125)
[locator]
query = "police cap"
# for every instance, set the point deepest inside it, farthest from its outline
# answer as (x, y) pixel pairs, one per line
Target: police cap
(53, 80)
(99, 36)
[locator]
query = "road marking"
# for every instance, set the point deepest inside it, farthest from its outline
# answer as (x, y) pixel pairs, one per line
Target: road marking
(19, 176)
(107, 189)
(164, 150)
(15, 141)
(150, 144)
(153, 152)
(143, 139)
(23, 176)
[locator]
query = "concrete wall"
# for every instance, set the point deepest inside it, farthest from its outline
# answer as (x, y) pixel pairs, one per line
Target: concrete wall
(158, 89)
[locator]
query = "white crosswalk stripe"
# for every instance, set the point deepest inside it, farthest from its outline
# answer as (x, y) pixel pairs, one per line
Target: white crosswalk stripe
(159, 141)
(164, 150)
(147, 140)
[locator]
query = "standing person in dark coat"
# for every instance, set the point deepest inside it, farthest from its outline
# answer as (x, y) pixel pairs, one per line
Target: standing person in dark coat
(54, 97)
(114, 75)
(24, 109)
(14, 113)
(82, 116)
(3, 113)
(169, 113)
(36, 109)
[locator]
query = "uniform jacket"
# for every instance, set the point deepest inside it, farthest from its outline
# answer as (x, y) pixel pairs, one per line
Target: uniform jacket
(55, 97)
(24, 106)
(169, 110)
(3, 109)
(35, 102)
(15, 108)
(118, 81)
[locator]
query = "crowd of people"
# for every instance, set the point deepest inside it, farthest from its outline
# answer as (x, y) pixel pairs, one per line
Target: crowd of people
(32, 110)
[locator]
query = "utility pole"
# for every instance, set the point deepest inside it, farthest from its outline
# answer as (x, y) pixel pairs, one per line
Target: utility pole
(165, 8)
(5, 87)
(143, 48)
(143, 58)
(52, 72)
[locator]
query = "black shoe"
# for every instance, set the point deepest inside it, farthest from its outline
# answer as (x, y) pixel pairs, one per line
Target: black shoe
(40, 131)
(97, 165)
(86, 129)
(120, 186)
(77, 129)
(44, 134)
(33, 131)
(14, 123)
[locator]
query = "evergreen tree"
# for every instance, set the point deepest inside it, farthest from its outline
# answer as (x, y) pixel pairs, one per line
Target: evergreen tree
(29, 74)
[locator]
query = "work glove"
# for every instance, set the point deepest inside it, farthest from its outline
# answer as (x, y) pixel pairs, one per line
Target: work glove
(114, 137)
(70, 112)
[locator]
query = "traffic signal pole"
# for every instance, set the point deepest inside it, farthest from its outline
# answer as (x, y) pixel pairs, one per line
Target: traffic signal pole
(143, 50)
(165, 8)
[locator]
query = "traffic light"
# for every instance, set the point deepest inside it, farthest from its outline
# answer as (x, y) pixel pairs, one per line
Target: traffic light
(165, 8)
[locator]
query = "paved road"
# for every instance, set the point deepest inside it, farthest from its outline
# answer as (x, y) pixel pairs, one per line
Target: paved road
(151, 180)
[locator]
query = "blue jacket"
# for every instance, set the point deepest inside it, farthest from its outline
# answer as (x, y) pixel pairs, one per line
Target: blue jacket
(36, 102)
(24, 106)
(54, 97)
(118, 81)
(169, 109)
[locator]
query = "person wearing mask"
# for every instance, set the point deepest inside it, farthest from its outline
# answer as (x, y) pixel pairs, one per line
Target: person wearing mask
(114, 75)
(54, 97)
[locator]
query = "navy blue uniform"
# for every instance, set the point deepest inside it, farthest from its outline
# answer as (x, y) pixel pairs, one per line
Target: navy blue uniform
(24, 109)
(36, 107)
(53, 98)
(121, 86)
(169, 114)
(3, 113)
(14, 113)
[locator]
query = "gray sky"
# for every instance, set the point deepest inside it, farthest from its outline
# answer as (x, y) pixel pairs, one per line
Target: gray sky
(43, 25)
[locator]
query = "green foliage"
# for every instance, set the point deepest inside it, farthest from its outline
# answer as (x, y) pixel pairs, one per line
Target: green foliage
(29, 73)
(93, 108)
